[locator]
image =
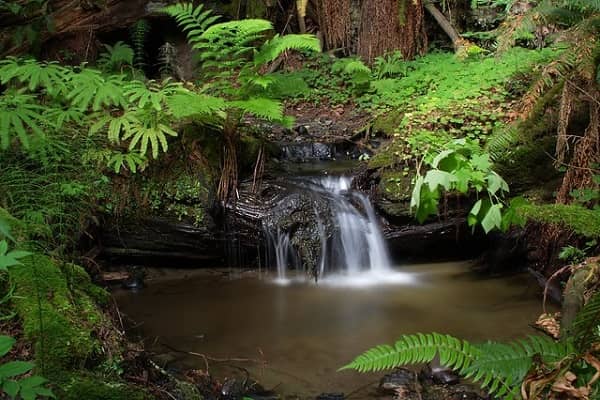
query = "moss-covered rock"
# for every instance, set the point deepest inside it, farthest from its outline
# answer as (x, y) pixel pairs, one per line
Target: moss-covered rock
(59, 318)
(580, 220)
(94, 389)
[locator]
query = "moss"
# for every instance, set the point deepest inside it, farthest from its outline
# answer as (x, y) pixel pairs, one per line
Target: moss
(187, 391)
(389, 156)
(59, 322)
(396, 186)
(94, 389)
(580, 220)
(388, 123)
(529, 165)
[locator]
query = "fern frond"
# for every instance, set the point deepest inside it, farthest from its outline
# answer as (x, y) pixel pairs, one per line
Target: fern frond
(20, 115)
(512, 361)
(261, 107)
(90, 89)
(34, 74)
(139, 33)
(273, 48)
(584, 330)
(115, 57)
(189, 104)
(420, 348)
(501, 141)
(192, 20)
(150, 93)
(231, 40)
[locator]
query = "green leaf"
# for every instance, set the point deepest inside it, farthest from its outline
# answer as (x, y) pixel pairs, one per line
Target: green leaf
(435, 178)
(6, 344)
(11, 388)
(493, 218)
(14, 368)
(441, 156)
(5, 230)
(481, 162)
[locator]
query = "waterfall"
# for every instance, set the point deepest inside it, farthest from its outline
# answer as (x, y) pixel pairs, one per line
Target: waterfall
(352, 245)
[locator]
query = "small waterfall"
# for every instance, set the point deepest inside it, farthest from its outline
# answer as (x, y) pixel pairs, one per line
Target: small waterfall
(351, 242)
(285, 256)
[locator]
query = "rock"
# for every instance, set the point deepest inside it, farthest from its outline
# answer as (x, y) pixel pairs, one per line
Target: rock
(454, 392)
(401, 383)
(331, 396)
(439, 374)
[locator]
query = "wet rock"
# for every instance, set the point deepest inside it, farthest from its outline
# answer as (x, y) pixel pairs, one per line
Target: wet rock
(439, 374)
(454, 392)
(401, 383)
(135, 281)
(331, 396)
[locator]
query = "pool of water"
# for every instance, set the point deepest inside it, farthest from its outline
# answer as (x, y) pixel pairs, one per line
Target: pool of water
(296, 334)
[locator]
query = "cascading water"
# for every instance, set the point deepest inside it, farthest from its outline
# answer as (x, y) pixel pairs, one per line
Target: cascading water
(351, 241)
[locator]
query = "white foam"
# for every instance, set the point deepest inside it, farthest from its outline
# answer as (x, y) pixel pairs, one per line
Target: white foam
(359, 280)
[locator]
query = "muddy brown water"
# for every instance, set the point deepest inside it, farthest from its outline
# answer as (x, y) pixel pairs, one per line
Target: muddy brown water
(298, 335)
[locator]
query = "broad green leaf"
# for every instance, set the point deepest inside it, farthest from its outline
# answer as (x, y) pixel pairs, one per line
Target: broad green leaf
(32, 381)
(443, 155)
(415, 199)
(493, 218)
(11, 388)
(481, 162)
(6, 344)
(435, 178)
(14, 368)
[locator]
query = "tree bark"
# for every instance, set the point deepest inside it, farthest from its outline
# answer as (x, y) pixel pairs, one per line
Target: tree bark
(371, 28)
(444, 24)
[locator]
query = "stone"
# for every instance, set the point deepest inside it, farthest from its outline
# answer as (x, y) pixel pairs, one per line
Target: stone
(401, 383)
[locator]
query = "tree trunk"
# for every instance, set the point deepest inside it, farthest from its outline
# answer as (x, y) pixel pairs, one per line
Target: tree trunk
(443, 22)
(371, 28)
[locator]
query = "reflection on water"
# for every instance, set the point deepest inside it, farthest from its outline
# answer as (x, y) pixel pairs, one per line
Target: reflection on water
(305, 332)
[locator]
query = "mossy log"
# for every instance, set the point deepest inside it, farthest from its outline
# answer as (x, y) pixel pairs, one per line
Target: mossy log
(72, 18)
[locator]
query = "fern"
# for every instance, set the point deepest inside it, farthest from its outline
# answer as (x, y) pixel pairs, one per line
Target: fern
(192, 20)
(139, 33)
(33, 74)
(167, 59)
(91, 89)
(273, 48)
(419, 348)
(132, 161)
(268, 109)
(116, 57)
(190, 104)
(151, 93)
(585, 326)
(499, 368)
(501, 141)
(21, 115)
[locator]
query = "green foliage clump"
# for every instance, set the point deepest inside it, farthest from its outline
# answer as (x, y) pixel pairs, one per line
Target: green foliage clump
(28, 388)
(463, 167)
(580, 220)
(59, 319)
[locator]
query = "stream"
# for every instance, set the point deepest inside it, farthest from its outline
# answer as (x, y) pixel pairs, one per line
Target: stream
(291, 327)
(303, 332)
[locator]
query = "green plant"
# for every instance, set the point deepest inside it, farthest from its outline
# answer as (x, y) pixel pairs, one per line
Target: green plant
(139, 34)
(355, 71)
(29, 388)
(233, 57)
(506, 370)
(116, 57)
(463, 168)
